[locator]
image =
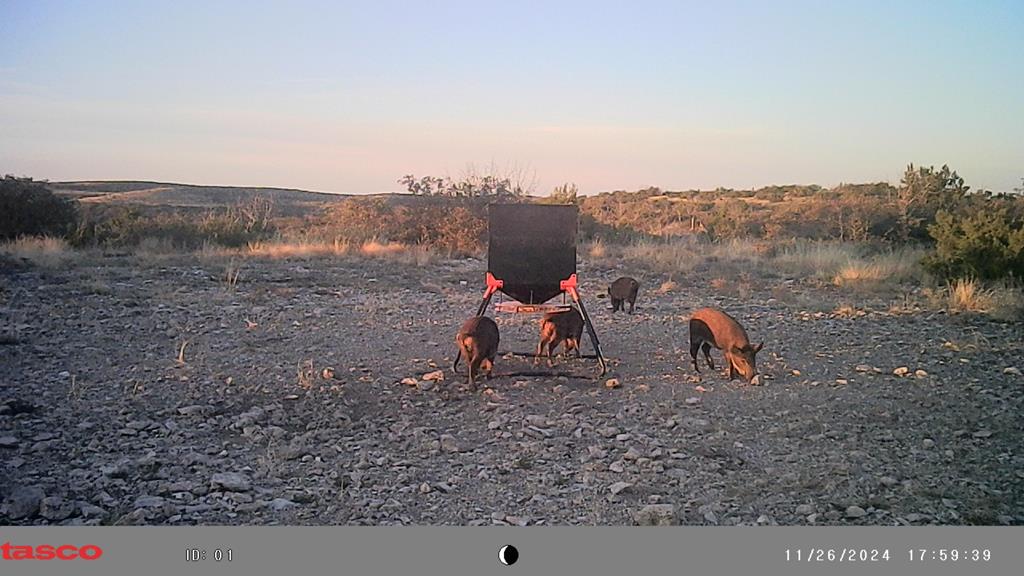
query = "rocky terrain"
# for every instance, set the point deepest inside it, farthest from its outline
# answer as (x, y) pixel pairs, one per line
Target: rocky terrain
(321, 392)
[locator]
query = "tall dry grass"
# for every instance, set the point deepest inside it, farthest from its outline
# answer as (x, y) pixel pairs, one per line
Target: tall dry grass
(850, 265)
(821, 260)
(45, 251)
(887, 268)
(1004, 301)
(298, 249)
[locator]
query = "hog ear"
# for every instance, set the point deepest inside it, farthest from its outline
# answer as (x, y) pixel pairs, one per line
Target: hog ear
(758, 347)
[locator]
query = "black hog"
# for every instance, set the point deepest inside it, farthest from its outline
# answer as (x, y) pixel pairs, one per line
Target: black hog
(623, 290)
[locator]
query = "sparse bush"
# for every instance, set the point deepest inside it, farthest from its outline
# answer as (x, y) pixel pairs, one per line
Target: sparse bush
(507, 184)
(28, 208)
(234, 227)
(457, 226)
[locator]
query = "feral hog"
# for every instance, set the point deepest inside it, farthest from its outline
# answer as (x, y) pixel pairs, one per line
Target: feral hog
(478, 343)
(623, 290)
(710, 327)
(558, 327)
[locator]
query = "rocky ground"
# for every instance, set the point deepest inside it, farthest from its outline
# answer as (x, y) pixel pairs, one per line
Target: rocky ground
(157, 393)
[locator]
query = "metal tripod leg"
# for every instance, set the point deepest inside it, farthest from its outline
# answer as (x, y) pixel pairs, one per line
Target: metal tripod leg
(590, 331)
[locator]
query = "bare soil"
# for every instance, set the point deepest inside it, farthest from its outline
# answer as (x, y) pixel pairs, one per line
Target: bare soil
(286, 405)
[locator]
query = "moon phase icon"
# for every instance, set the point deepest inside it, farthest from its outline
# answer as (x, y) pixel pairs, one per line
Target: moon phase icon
(508, 555)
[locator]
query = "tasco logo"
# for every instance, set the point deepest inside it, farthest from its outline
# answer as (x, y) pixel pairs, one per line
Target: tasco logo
(47, 552)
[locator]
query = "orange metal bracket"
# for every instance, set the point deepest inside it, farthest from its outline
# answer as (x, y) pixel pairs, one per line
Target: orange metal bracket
(493, 285)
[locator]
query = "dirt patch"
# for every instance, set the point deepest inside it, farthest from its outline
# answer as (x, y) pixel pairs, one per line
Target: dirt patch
(160, 394)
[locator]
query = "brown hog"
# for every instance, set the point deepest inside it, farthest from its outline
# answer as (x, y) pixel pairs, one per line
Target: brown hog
(710, 327)
(558, 327)
(478, 341)
(623, 290)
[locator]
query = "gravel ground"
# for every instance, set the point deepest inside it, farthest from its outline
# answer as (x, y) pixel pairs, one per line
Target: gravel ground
(155, 393)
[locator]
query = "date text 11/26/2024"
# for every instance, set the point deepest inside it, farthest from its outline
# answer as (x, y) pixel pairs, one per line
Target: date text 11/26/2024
(200, 554)
(884, 555)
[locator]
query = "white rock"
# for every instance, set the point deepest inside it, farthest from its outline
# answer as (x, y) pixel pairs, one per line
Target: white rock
(619, 487)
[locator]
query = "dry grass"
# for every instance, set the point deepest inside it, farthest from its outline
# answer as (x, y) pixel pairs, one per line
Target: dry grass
(45, 251)
(598, 249)
(678, 256)
(816, 259)
(305, 373)
(968, 295)
(850, 265)
(232, 259)
(667, 286)
(1002, 301)
(416, 255)
(1007, 303)
(280, 250)
(888, 268)
(848, 311)
(231, 273)
(374, 248)
(181, 352)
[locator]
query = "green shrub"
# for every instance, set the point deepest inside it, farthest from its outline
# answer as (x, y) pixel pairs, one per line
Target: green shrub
(29, 208)
(983, 242)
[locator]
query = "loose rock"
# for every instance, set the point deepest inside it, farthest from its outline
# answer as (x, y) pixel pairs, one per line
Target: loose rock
(230, 481)
(855, 512)
(24, 502)
(656, 515)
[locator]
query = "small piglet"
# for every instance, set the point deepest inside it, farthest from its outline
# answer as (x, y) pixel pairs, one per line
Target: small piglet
(558, 327)
(478, 342)
(623, 290)
(710, 327)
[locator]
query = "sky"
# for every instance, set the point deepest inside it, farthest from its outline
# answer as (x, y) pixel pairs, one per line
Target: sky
(350, 96)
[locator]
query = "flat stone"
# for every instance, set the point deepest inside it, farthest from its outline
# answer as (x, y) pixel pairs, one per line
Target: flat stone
(619, 487)
(855, 512)
(150, 502)
(231, 481)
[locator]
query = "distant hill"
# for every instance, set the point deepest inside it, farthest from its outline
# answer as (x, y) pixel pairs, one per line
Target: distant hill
(287, 202)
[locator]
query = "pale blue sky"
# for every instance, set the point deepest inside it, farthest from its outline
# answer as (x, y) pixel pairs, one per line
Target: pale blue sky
(348, 97)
